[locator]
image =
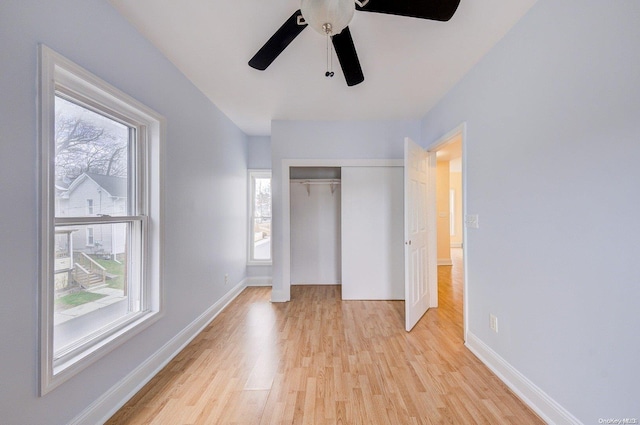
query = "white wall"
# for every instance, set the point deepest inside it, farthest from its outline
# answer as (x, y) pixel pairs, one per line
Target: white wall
(552, 171)
(327, 140)
(204, 195)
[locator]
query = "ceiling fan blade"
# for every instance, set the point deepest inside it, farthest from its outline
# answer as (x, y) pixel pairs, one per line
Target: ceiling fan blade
(348, 58)
(439, 10)
(278, 42)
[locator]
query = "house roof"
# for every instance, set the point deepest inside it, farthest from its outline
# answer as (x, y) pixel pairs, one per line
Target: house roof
(116, 186)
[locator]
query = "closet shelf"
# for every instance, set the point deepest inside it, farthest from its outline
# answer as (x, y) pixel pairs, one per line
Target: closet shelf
(331, 182)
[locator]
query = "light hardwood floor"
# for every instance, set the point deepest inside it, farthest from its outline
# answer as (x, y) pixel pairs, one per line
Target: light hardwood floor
(320, 360)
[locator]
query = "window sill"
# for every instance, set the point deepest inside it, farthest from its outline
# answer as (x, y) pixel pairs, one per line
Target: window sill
(69, 367)
(259, 263)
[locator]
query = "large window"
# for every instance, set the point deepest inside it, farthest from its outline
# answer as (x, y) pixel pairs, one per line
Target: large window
(260, 217)
(100, 224)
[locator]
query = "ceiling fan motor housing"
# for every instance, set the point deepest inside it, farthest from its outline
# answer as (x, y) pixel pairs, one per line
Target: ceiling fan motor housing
(337, 13)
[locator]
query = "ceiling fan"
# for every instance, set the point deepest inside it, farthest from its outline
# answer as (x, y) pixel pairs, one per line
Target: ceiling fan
(331, 19)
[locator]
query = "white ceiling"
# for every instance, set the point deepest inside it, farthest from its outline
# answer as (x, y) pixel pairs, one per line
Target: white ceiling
(408, 64)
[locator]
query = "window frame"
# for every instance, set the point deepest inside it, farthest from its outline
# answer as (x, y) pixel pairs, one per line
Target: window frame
(254, 174)
(59, 75)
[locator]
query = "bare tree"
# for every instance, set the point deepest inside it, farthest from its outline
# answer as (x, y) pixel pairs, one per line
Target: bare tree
(84, 146)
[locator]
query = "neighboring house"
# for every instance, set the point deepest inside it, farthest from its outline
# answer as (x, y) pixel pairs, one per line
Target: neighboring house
(93, 194)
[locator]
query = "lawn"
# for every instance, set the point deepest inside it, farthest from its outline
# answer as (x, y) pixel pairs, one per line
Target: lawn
(74, 300)
(114, 269)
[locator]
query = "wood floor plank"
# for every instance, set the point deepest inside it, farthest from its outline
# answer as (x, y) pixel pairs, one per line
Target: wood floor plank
(321, 360)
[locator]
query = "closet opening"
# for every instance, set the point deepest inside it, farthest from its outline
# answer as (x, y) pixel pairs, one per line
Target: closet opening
(315, 220)
(364, 225)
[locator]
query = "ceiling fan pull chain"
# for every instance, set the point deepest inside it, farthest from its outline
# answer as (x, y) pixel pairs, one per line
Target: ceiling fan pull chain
(327, 30)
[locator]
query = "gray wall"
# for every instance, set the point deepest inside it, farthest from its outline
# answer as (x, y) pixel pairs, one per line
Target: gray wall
(552, 170)
(259, 152)
(204, 195)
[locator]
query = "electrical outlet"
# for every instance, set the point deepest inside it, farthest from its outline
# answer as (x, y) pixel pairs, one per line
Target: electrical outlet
(226, 278)
(493, 323)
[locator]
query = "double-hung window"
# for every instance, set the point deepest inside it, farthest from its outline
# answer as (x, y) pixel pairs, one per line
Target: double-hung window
(100, 222)
(259, 217)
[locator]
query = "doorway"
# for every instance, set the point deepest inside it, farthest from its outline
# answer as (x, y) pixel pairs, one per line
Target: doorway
(450, 205)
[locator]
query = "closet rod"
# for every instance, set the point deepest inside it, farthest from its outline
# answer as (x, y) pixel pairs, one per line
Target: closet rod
(316, 181)
(333, 183)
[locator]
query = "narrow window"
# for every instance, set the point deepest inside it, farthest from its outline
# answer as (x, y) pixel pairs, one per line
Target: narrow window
(260, 217)
(100, 219)
(452, 212)
(89, 237)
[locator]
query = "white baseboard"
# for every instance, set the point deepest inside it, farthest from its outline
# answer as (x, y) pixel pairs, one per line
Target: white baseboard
(108, 404)
(547, 408)
(280, 296)
(445, 262)
(258, 281)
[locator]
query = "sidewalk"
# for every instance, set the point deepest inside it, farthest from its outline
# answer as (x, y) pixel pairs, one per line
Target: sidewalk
(112, 296)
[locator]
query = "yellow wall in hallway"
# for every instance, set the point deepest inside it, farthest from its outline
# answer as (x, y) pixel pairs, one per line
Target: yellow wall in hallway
(442, 208)
(455, 184)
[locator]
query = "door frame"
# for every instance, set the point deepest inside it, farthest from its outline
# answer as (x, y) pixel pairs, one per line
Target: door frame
(283, 293)
(459, 131)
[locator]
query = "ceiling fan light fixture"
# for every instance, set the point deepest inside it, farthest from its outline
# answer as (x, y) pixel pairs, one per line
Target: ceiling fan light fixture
(332, 15)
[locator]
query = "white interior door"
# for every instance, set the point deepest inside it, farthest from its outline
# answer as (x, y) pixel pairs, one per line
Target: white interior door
(417, 236)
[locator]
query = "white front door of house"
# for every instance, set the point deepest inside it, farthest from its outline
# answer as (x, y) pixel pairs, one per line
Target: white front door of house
(417, 236)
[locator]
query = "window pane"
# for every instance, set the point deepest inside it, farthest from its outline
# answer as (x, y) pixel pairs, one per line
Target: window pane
(91, 162)
(92, 285)
(262, 238)
(262, 197)
(261, 219)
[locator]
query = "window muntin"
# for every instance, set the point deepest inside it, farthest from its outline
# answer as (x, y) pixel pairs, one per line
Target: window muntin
(100, 218)
(260, 217)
